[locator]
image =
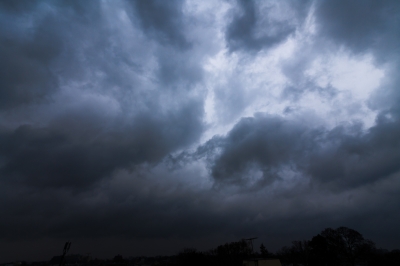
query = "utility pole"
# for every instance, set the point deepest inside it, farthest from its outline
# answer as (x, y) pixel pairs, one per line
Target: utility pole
(66, 248)
(250, 240)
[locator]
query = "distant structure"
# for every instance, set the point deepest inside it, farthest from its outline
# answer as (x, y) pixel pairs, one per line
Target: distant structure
(259, 261)
(66, 248)
(250, 242)
(262, 262)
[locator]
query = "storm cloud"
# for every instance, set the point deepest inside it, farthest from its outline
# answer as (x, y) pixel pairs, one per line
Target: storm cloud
(262, 149)
(162, 124)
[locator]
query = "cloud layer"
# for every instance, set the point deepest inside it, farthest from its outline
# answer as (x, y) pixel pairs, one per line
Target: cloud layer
(172, 123)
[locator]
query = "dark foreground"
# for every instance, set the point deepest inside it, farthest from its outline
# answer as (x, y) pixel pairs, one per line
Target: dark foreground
(332, 247)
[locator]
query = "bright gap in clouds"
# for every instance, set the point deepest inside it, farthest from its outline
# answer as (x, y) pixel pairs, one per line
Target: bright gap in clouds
(292, 80)
(354, 79)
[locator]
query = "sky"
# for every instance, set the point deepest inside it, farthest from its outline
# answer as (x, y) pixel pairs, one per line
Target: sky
(143, 127)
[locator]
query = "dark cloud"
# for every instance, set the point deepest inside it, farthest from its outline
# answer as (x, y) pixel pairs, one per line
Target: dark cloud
(39, 43)
(80, 146)
(262, 149)
(19, 6)
(247, 31)
(264, 143)
(361, 25)
(354, 160)
(89, 103)
(76, 151)
(126, 205)
(359, 29)
(163, 20)
(178, 69)
(26, 59)
(66, 45)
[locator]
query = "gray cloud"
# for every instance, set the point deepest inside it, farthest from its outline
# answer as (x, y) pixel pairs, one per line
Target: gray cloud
(163, 20)
(263, 142)
(26, 73)
(77, 151)
(86, 103)
(260, 150)
(80, 146)
(19, 6)
(248, 31)
(362, 26)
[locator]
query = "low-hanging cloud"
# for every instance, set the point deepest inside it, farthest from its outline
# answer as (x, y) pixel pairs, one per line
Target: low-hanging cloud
(259, 149)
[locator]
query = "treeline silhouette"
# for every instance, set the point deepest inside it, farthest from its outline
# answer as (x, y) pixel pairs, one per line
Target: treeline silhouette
(229, 254)
(331, 247)
(341, 246)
